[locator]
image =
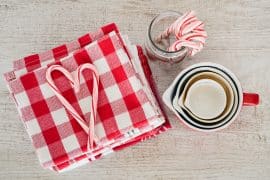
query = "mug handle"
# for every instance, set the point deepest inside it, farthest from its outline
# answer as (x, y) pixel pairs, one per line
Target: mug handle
(250, 99)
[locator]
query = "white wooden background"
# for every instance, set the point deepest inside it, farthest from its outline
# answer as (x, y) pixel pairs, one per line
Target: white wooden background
(239, 38)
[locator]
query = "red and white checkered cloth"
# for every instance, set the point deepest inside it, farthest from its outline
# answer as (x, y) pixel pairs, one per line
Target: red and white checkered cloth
(126, 113)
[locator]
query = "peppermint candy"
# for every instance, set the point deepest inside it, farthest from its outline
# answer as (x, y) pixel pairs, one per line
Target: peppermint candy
(188, 31)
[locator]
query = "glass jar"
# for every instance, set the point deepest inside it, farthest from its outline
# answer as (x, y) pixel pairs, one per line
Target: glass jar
(158, 49)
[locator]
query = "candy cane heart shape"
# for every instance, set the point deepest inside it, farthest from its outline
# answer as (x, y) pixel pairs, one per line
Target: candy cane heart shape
(75, 84)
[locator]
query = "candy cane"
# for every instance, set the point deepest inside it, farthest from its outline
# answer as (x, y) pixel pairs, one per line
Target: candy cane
(188, 31)
(75, 83)
(170, 29)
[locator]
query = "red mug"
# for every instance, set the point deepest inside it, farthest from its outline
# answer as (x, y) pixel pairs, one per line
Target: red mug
(243, 98)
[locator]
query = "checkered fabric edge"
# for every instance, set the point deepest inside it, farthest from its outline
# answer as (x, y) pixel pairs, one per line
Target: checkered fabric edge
(34, 61)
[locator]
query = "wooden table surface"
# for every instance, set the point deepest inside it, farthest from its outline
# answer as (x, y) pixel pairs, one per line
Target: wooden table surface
(239, 38)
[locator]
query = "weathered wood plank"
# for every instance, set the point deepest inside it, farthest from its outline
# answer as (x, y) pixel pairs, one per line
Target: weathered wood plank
(239, 38)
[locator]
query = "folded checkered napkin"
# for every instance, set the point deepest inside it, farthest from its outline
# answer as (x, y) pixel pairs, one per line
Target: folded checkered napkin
(69, 154)
(141, 66)
(60, 156)
(141, 62)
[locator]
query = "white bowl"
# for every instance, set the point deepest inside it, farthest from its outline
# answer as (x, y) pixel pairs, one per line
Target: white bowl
(179, 100)
(200, 67)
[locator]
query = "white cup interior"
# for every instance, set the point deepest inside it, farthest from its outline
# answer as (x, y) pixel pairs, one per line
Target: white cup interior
(206, 99)
(213, 76)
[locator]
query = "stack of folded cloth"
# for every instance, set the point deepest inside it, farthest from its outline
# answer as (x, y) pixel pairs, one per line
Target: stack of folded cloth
(127, 111)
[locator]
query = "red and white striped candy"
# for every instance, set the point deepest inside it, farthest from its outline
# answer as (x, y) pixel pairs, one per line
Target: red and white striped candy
(189, 32)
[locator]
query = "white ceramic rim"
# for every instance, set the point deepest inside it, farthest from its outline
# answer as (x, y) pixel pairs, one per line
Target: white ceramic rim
(227, 80)
(212, 69)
